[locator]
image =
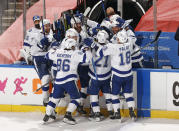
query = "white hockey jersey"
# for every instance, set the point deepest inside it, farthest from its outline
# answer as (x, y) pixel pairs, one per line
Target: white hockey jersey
(30, 36)
(132, 38)
(67, 63)
(102, 66)
(36, 50)
(120, 58)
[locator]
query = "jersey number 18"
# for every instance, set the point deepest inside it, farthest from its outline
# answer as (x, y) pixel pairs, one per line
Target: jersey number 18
(127, 55)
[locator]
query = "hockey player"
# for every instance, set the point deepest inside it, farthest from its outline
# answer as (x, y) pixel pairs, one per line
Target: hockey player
(67, 63)
(103, 74)
(28, 41)
(82, 68)
(41, 45)
(121, 71)
(120, 24)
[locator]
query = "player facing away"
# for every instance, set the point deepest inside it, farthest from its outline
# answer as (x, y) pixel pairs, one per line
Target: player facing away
(122, 75)
(67, 62)
(100, 81)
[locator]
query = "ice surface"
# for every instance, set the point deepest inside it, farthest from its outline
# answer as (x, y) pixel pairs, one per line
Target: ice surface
(11, 121)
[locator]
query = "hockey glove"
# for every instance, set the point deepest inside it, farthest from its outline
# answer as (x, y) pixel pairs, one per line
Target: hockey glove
(95, 30)
(44, 43)
(89, 42)
(57, 36)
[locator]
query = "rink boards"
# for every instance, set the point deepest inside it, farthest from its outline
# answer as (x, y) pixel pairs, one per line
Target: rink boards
(156, 92)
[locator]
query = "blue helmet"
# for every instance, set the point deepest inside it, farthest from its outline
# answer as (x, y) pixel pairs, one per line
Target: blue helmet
(36, 17)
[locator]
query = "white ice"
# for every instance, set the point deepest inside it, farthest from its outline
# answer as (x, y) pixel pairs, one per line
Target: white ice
(10, 121)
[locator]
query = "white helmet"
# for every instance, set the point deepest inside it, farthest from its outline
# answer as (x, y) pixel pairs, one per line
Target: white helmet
(102, 36)
(71, 32)
(45, 22)
(114, 17)
(69, 43)
(72, 21)
(122, 36)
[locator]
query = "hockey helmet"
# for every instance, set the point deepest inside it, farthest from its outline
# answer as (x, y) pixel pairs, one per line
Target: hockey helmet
(36, 17)
(69, 43)
(45, 22)
(122, 36)
(102, 36)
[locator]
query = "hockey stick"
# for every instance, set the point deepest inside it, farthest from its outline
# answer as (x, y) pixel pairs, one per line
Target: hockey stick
(84, 22)
(24, 94)
(103, 7)
(43, 30)
(93, 64)
(71, 15)
(43, 86)
(148, 44)
(55, 20)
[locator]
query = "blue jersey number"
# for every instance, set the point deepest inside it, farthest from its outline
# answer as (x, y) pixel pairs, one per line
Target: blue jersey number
(63, 65)
(128, 60)
(105, 63)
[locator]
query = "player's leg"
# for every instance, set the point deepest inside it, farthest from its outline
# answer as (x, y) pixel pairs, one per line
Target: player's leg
(72, 89)
(84, 81)
(93, 90)
(116, 87)
(56, 96)
(41, 67)
(106, 89)
(128, 93)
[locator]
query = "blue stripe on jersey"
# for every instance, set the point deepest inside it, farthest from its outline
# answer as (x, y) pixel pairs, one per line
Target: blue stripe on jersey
(54, 65)
(100, 76)
(137, 57)
(101, 53)
(47, 56)
(27, 44)
(121, 72)
(66, 77)
(39, 46)
(84, 58)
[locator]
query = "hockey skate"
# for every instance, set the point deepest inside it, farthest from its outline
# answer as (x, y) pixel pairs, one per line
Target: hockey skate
(81, 110)
(45, 101)
(97, 116)
(69, 119)
(52, 116)
(111, 113)
(117, 115)
(132, 114)
(91, 115)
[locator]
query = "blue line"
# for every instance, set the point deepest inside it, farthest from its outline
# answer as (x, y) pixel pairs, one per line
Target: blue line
(16, 66)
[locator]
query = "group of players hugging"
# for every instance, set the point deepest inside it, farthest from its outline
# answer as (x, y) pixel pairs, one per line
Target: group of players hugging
(99, 55)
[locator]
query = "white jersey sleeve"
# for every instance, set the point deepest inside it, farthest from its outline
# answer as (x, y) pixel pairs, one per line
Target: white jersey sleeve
(51, 55)
(131, 35)
(108, 49)
(81, 57)
(36, 49)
